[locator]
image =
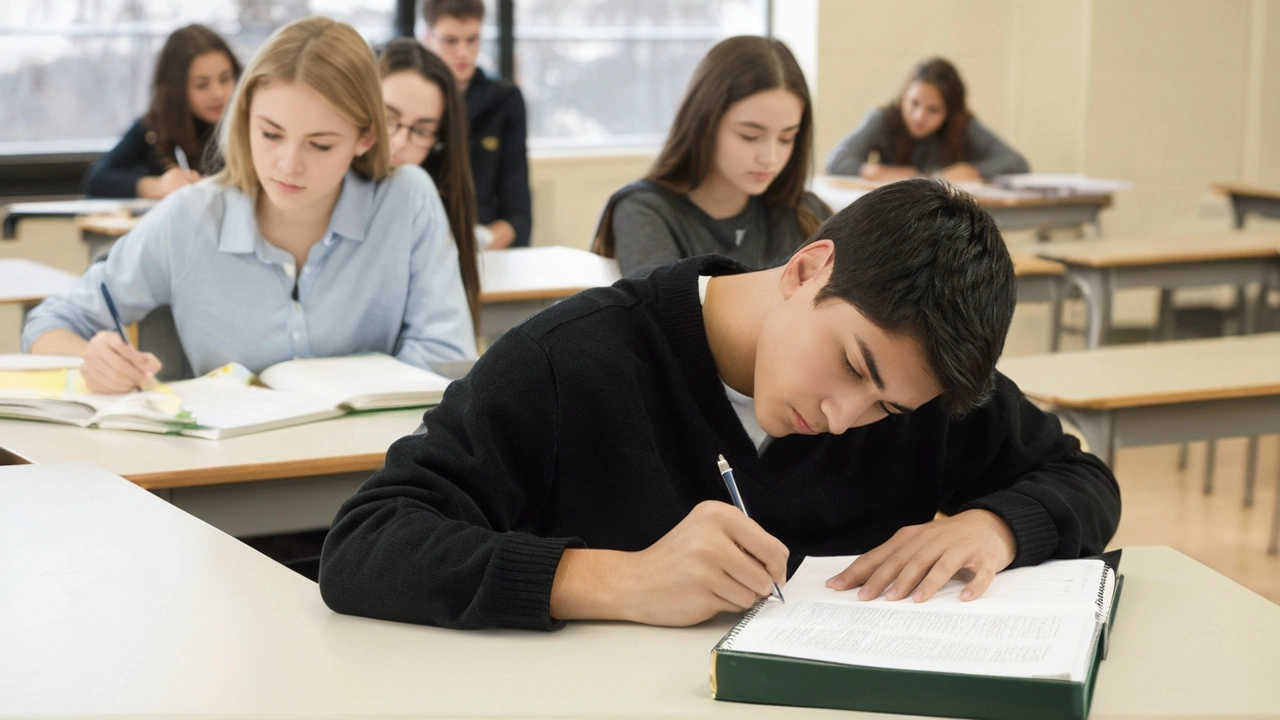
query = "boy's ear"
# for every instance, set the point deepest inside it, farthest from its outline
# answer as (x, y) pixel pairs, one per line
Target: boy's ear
(811, 263)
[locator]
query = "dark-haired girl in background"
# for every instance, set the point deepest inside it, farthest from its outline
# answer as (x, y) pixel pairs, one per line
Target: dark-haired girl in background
(927, 130)
(731, 176)
(195, 75)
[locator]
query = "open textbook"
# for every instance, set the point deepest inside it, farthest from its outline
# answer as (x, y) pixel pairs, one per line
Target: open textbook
(222, 404)
(1029, 647)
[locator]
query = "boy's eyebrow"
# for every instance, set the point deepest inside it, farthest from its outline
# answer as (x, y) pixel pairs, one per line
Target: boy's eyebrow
(758, 126)
(874, 371)
(278, 126)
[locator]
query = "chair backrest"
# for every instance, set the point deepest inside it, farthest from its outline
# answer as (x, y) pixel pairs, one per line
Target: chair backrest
(158, 335)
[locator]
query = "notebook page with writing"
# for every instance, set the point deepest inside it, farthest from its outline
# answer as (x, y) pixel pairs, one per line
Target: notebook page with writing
(1032, 622)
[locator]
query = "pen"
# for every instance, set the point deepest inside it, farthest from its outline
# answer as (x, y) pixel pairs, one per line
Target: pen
(115, 316)
(726, 474)
(181, 156)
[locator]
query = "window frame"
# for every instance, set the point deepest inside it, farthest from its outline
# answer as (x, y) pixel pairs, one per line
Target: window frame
(56, 169)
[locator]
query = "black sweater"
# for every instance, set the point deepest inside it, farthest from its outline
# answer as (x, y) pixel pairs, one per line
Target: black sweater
(499, 159)
(116, 174)
(597, 423)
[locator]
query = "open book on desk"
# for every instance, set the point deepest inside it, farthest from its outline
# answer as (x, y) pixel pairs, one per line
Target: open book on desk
(1029, 647)
(221, 404)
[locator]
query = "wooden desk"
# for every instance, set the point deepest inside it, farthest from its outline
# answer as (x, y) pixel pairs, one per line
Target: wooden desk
(1011, 209)
(11, 214)
(1041, 280)
(1247, 199)
(1099, 268)
(519, 282)
(278, 481)
(1164, 393)
(120, 606)
(100, 232)
(26, 282)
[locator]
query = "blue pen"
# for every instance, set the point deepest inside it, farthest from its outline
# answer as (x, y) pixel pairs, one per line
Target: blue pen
(726, 474)
(111, 308)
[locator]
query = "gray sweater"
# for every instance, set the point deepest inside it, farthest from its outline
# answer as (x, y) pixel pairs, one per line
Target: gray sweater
(986, 152)
(653, 226)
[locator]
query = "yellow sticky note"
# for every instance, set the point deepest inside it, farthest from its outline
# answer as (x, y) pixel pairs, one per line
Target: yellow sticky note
(50, 383)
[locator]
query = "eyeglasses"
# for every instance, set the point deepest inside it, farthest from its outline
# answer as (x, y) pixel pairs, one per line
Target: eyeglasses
(417, 136)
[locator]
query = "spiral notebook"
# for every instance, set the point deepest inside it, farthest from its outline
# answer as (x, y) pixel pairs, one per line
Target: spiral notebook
(1030, 646)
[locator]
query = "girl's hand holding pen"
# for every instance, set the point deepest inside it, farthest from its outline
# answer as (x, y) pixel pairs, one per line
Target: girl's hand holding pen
(113, 366)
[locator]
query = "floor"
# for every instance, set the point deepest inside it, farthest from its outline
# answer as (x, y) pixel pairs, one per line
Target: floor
(1165, 505)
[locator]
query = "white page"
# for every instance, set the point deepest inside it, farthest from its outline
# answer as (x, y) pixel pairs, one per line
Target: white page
(361, 380)
(23, 361)
(223, 402)
(1031, 622)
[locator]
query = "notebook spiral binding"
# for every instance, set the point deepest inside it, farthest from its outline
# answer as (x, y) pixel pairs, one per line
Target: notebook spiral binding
(727, 642)
(1102, 592)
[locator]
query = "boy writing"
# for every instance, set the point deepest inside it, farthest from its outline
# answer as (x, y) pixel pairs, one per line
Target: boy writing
(572, 474)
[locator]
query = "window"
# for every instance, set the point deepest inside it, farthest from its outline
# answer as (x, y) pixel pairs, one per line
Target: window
(613, 72)
(75, 75)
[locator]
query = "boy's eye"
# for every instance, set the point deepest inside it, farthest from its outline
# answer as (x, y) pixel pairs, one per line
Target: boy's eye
(852, 370)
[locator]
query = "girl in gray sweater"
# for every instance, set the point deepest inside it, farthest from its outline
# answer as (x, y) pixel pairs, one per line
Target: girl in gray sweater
(730, 178)
(927, 130)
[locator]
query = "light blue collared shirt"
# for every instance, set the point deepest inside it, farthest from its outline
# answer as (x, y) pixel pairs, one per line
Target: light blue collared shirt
(384, 278)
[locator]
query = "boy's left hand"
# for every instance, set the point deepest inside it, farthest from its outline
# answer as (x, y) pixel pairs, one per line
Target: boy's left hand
(923, 557)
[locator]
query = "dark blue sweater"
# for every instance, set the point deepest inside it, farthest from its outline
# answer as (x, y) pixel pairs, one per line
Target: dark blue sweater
(116, 174)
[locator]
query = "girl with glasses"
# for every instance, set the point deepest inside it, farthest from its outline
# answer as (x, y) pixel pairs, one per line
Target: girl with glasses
(427, 125)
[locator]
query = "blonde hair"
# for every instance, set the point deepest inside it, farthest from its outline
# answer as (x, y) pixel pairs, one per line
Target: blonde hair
(327, 56)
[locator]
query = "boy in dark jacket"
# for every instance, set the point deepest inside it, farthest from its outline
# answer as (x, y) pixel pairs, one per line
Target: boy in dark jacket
(497, 128)
(573, 473)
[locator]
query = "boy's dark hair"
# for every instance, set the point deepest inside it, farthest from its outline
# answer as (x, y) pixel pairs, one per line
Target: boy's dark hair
(433, 10)
(920, 257)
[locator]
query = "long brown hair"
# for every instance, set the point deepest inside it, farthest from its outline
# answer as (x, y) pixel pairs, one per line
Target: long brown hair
(170, 116)
(954, 132)
(449, 162)
(734, 69)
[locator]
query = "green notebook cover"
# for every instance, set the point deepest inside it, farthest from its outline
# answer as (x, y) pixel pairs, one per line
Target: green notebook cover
(780, 680)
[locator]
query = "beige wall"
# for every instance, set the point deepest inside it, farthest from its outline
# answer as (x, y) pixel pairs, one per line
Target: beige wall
(1169, 94)
(570, 190)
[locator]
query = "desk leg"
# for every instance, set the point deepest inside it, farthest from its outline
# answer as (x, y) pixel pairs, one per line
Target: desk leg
(1098, 429)
(1251, 471)
(1095, 288)
(1210, 457)
(1056, 291)
(1273, 547)
(1238, 211)
(1166, 323)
